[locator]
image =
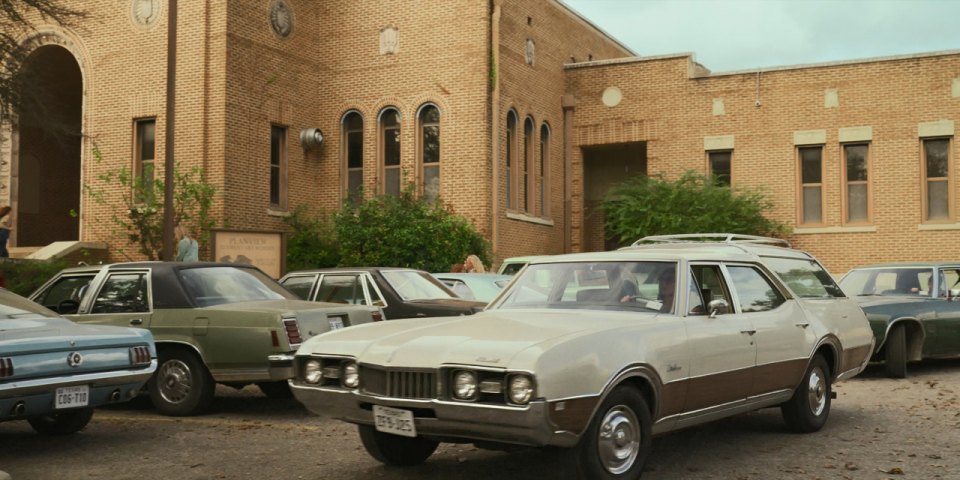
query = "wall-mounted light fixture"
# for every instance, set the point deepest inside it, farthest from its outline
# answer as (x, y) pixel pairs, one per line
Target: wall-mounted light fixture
(311, 138)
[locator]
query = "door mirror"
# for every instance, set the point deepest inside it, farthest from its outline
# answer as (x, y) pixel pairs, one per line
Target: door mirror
(718, 307)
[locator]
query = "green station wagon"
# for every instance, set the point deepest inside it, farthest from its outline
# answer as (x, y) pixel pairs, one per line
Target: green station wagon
(212, 322)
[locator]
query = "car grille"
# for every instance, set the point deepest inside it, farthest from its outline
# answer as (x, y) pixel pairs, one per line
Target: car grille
(398, 383)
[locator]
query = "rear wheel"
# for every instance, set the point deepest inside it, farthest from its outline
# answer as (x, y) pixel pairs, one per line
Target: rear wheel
(808, 409)
(895, 352)
(618, 440)
(394, 449)
(63, 423)
(181, 385)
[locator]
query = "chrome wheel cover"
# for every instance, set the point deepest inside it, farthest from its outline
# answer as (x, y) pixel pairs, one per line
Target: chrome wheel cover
(175, 381)
(817, 392)
(619, 438)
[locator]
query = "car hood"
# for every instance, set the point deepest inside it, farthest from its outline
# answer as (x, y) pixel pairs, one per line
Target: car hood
(490, 338)
(40, 333)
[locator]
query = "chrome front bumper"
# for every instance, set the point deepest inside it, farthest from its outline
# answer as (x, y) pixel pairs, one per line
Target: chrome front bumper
(445, 420)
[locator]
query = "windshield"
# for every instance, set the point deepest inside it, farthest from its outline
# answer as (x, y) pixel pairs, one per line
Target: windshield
(888, 281)
(629, 286)
(15, 306)
(209, 286)
(416, 285)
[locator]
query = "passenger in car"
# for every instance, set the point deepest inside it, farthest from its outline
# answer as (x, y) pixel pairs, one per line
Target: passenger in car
(667, 287)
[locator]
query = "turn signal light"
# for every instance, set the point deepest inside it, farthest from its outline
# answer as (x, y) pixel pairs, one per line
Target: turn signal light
(140, 355)
(6, 367)
(293, 332)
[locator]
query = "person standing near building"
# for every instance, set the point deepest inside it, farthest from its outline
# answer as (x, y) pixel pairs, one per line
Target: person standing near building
(473, 264)
(187, 248)
(4, 230)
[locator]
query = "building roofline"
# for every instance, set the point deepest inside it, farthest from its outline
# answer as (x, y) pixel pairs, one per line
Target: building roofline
(690, 55)
(582, 19)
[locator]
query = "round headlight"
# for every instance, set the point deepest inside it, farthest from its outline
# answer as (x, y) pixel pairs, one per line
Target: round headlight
(521, 389)
(351, 375)
(465, 385)
(312, 372)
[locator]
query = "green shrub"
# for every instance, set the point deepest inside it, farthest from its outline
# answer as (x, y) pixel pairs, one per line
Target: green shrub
(405, 231)
(25, 276)
(642, 206)
(312, 242)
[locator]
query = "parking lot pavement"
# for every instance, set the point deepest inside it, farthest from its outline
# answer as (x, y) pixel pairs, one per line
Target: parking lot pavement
(879, 428)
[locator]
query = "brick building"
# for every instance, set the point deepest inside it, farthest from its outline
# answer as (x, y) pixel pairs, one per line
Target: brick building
(517, 113)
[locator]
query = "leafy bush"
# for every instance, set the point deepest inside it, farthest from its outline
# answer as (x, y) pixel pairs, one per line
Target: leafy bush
(312, 242)
(406, 231)
(25, 276)
(642, 206)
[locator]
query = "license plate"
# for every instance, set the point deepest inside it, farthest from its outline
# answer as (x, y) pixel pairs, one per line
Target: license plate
(394, 420)
(70, 397)
(336, 323)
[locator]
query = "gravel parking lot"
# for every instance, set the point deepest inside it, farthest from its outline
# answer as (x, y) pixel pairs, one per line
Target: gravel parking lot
(879, 428)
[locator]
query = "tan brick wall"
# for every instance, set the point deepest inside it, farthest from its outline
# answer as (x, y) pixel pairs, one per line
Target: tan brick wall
(673, 112)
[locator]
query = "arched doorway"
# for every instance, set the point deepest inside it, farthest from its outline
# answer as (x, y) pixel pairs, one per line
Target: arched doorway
(46, 173)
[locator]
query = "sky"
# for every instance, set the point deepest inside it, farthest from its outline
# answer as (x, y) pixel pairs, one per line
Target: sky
(730, 35)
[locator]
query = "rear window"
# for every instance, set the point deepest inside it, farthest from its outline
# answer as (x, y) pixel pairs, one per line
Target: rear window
(805, 277)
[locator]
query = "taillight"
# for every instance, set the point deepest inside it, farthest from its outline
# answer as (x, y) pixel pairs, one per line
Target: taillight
(140, 355)
(377, 316)
(293, 332)
(6, 367)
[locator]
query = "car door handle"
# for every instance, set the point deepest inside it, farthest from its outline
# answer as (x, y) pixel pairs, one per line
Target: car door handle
(421, 314)
(748, 332)
(136, 321)
(803, 324)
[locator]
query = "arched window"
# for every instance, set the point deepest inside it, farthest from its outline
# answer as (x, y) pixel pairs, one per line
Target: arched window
(429, 120)
(352, 128)
(390, 143)
(511, 155)
(528, 170)
(544, 170)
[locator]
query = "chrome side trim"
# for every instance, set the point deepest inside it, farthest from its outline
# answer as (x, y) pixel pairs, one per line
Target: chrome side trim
(706, 415)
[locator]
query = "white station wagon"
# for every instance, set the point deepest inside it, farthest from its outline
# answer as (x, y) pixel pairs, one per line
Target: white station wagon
(597, 352)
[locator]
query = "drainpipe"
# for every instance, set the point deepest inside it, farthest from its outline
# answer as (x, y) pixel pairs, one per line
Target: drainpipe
(168, 164)
(495, 126)
(568, 103)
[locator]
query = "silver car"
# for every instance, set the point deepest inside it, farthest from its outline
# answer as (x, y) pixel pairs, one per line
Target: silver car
(598, 352)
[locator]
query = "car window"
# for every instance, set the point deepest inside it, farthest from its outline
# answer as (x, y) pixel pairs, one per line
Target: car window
(415, 285)
(209, 286)
(374, 293)
(805, 277)
(754, 291)
(695, 304)
(66, 288)
(709, 279)
(460, 288)
(949, 280)
(123, 293)
(300, 285)
(511, 268)
(341, 289)
(886, 281)
(629, 286)
(14, 306)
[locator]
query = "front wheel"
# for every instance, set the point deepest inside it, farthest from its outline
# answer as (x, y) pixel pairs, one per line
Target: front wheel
(808, 409)
(618, 440)
(181, 385)
(63, 423)
(895, 352)
(396, 450)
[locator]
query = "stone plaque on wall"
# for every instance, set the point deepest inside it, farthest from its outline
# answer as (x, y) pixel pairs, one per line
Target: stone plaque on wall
(281, 18)
(389, 40)
(265, 250)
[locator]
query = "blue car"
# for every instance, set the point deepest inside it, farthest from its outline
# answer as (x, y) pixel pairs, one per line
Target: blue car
(53, 372)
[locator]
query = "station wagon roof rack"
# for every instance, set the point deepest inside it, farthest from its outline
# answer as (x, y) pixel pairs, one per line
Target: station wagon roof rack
(712, 237)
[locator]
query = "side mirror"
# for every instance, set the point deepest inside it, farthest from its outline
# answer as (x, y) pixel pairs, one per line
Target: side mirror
(718, 307)
(68, 306)
(954, 293)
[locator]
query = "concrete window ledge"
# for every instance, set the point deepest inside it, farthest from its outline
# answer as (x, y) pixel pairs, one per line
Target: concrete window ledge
(938, 226)
(277, 213)
(818, 230)
(530, 219)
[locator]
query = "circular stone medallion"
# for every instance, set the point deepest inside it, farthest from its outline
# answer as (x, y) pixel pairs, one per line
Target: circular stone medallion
(612, 96)
(281, 18)
(145, 12)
